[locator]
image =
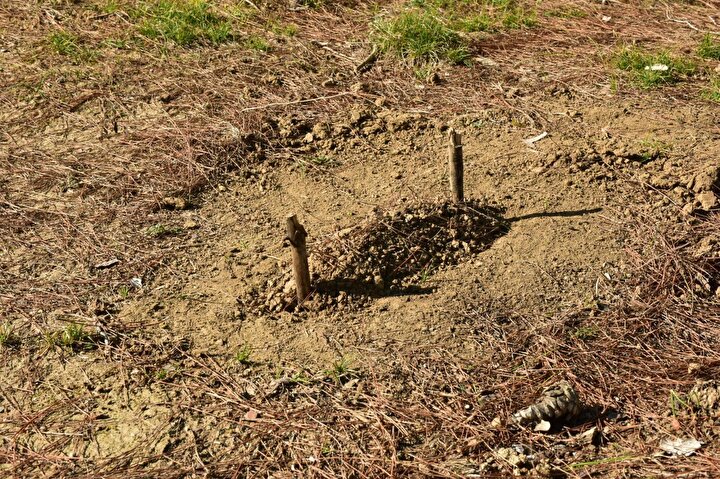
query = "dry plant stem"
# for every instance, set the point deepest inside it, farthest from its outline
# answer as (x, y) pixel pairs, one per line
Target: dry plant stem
(296, 235)
(456, 166)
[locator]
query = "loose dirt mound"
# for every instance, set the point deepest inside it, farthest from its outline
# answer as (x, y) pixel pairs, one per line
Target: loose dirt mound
(390, 253)
(398, 250)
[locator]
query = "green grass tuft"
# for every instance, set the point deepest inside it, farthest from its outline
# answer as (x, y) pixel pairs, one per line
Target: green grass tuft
(341, 371)
(183, 22)
(282, 29)
(419, 37)
(257, 43)
(69, 45)
(709, 48)
(712, 92)
(73, 337)
(489, 16)
(7, 336)
(160, 230)
(243, 356)
(586, 333)
(649, 70)
(109, 7)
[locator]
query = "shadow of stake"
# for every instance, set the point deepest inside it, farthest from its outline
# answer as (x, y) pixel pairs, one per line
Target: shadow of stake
(396, 253)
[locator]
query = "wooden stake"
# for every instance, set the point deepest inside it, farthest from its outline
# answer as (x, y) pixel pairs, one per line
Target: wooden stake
(296, 234)
(456, 166)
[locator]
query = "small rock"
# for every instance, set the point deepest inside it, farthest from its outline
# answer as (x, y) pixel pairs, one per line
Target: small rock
(688, 209)
(707, 200)
(320, 131)
(174, 203)
(543, 426)
(707, 180)
(251, 415)
(190, 225)
(289, 287)
(359, 87)
(591, 436)
(664, 182)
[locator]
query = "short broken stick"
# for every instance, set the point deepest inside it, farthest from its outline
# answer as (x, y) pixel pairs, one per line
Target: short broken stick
(296, 235)
(456, 166)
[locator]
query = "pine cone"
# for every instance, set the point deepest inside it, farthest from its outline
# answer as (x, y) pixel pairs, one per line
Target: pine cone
(705, 396)
(559, 402)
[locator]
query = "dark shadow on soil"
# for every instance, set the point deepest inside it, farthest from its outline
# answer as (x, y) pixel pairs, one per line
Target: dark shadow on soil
(552, 214)
(394, 254)
(369, 289)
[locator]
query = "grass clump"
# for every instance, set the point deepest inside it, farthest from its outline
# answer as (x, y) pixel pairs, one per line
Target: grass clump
(73, 337)
(257, 43)
(586, 333)
(709, 48)
(650, 70)
(419, 37)
(488, 16)
(243, 356)
(712, 93)
(340, 372)
(652, 149)
(160, 230)
(282, 29)
(7, 336)
(69, 45)
(183, 22)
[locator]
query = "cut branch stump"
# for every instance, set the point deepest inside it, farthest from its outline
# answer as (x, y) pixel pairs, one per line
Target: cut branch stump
(455, 151)
(296, 235)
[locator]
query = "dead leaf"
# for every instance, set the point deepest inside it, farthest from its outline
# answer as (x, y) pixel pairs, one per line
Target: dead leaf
(107, 264)
(680, 447)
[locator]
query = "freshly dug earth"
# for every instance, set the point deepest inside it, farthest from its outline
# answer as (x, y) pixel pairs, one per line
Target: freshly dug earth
(149, 327)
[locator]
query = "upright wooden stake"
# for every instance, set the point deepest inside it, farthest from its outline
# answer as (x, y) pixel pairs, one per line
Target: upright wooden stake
(456, 166)
(296, 234)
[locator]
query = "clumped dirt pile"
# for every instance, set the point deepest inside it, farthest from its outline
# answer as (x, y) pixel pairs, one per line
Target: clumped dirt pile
(389, 253)
(397, 250)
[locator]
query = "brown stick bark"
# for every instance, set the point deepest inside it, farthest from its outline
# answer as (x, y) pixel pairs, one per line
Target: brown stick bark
(456, 166)
(296, 234)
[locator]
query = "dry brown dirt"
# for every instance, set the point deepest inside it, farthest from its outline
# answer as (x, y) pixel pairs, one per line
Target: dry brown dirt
(205, 369)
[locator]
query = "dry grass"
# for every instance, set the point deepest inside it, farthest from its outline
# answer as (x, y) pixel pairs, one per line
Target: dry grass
(428, 412)
(88, 148)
